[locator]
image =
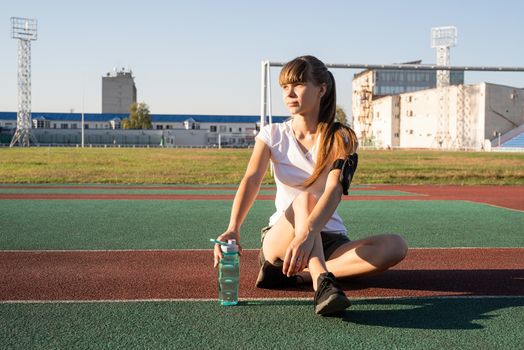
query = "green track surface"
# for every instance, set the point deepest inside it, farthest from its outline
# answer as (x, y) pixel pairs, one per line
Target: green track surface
(164, 224)
(490, 323)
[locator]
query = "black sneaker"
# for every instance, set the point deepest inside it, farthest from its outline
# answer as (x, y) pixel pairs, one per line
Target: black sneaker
(329, 297)
(261, 257)
(272, 277)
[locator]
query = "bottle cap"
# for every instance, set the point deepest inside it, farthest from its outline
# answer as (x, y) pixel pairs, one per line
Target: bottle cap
(230, 247)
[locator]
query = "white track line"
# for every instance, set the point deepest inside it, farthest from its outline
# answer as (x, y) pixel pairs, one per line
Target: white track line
(492, 205)
(451, 297)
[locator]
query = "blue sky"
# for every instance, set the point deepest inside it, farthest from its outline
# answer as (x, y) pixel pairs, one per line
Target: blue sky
(203, 57)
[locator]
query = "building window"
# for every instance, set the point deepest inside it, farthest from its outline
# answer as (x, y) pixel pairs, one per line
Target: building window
(411, 132)
(73, 126)
(159, 127)
(115, 124)
(397, 135)
(239, 129)
(223, 128)
(168, 126)
(64, 126)
(213, 128)
(41, 123)
(86, 126)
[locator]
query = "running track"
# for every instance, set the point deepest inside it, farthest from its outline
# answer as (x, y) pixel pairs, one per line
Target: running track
(187, 274)
(179, 274)
(511, 197)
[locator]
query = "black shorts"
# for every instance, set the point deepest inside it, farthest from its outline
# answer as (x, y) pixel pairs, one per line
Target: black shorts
(330, 242)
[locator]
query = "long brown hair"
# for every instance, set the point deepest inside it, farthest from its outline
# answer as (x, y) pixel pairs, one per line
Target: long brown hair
(310, 69)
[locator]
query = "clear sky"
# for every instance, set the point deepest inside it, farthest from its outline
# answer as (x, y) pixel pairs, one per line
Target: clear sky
(203, 57)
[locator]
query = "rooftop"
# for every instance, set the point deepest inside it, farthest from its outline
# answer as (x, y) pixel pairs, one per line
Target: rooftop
(155, 118)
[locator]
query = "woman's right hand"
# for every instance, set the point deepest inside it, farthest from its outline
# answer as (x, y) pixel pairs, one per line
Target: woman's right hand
(224, 237)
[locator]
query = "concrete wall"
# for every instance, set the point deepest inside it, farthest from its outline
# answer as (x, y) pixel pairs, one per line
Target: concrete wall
(98, 137)
(418, 119)
(118, 93)
(386, 122)
(475, 113)
(110, 137)
(504, 109)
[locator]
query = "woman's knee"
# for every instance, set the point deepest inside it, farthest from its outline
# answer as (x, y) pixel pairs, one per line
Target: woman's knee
(396, 248)
(276, 241)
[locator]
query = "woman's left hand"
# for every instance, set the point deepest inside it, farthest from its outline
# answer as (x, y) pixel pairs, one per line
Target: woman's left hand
(297, 255)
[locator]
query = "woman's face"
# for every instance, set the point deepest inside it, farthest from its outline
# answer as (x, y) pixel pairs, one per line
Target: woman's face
(303, 98)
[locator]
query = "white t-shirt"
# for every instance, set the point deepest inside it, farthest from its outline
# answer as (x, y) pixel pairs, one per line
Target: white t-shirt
(292, 166)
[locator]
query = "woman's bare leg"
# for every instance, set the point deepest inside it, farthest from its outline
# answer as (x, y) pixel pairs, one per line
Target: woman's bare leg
(279, 237)
(365, 257)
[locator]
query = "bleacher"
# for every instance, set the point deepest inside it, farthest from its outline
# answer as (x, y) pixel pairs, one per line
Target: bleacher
(515, 142)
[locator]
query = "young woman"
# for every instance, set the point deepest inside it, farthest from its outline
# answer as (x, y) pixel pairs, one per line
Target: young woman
(314, 158)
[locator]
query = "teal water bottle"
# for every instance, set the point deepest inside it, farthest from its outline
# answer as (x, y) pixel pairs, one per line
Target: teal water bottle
(228, 274)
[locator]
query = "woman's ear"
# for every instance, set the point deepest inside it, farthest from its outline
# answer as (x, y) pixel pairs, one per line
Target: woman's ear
(323, 89)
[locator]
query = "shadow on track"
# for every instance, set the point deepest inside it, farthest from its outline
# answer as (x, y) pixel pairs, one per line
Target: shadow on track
(456, 313)
(463, 282)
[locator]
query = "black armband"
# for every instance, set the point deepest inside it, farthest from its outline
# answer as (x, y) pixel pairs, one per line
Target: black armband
(347, 170)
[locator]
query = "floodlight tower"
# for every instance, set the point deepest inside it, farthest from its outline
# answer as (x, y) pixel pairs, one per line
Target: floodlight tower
(25, 30)
(442, 39)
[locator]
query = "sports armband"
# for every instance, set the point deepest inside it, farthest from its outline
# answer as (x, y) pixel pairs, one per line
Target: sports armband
(347, 168)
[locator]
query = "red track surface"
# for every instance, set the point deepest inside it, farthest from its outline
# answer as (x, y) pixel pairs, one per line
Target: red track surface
(189, 274)
(503, 196)
(104, 187)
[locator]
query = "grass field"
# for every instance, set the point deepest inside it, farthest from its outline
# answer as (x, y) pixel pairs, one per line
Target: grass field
(212, 166)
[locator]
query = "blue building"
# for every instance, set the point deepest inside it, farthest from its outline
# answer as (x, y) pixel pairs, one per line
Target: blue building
(189, 129)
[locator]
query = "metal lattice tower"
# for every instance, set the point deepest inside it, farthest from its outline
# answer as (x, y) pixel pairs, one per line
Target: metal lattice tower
(443, 38)
(25, 30)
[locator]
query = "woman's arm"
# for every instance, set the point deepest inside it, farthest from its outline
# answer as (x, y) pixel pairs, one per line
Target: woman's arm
(326, 205)
(246, 194)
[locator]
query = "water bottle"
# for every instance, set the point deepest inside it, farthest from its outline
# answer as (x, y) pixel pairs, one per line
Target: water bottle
(228, 274)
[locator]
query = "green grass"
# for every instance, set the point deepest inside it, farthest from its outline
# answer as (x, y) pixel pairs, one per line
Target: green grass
(227, 166)
(162, 224)
(492, 323)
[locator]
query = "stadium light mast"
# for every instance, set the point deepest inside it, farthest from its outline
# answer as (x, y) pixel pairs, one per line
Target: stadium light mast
(25, 30)
(442, 39)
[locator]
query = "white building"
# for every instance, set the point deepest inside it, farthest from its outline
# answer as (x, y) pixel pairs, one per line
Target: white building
(458, 117)
(385, 124)
(370, 85)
